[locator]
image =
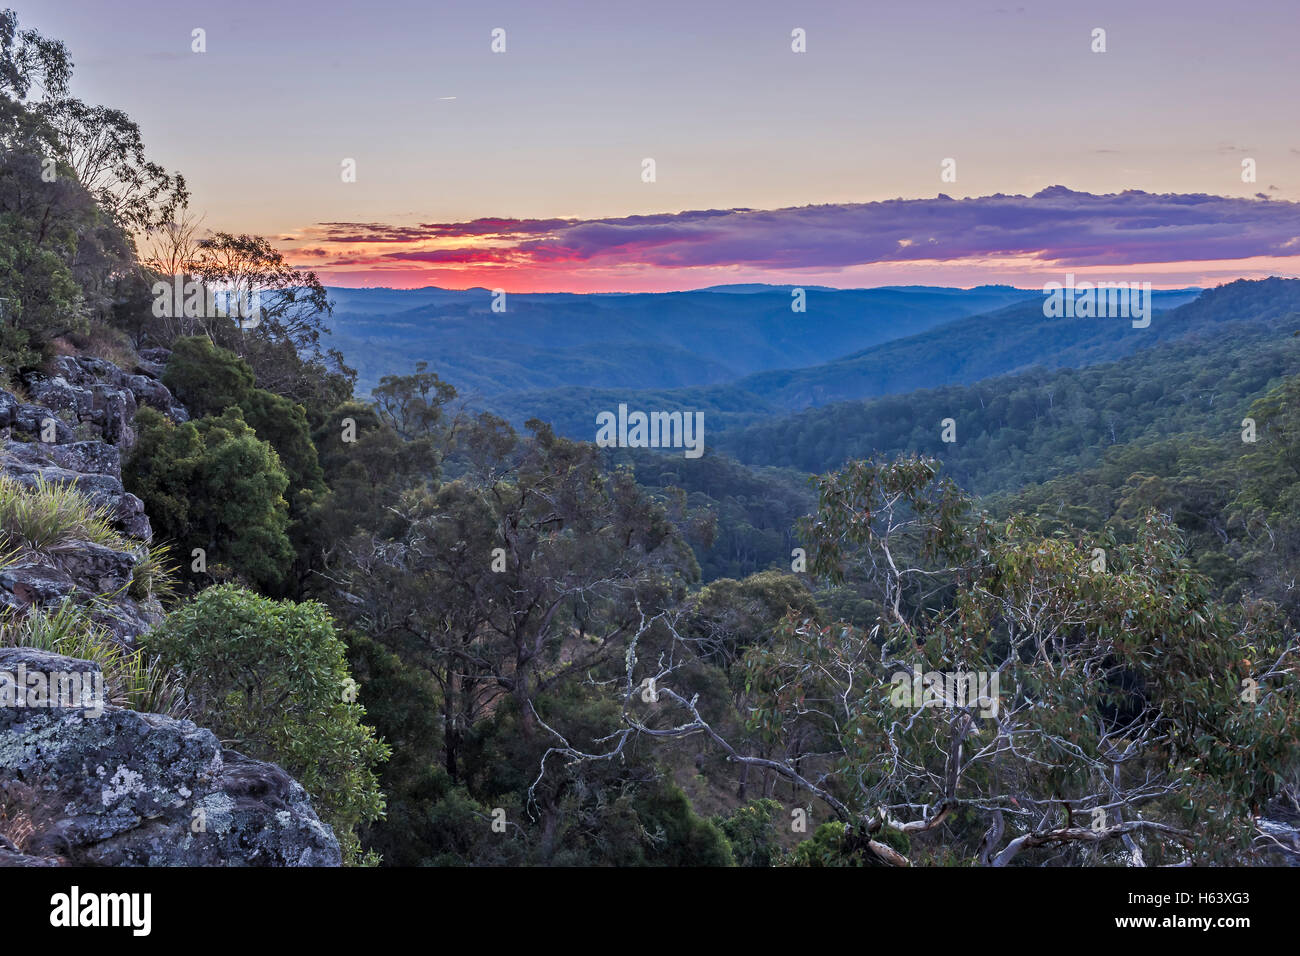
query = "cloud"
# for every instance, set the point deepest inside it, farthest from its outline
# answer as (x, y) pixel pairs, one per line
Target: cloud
(1057, 226)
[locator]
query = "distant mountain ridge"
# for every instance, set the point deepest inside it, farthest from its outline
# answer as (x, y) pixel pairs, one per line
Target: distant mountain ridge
(1220, 353)
(630, 340)
(965, 350)
(1004, 341)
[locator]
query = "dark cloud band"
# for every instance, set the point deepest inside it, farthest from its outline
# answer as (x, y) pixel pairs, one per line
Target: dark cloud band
(1057, 225)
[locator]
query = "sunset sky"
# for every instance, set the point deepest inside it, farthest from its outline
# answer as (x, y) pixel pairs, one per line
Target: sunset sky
(523, 170)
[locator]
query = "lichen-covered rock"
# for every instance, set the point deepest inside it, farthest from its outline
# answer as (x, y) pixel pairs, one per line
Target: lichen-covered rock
(131, 517)
(88, 573)
(100, 397)
(8, 406)
(36, 582)
(148, 368)
(101, 489)
(127, 618)
(32, 420)
(110, 786)
(85, 571)
(83, 457)
(108, 410)
(91, 402)
(130, 789)
(157, 357)
(11, 857)
(96, 568)
(149, 391)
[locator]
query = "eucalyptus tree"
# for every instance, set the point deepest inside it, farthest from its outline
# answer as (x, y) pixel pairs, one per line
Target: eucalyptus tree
(1021, 696)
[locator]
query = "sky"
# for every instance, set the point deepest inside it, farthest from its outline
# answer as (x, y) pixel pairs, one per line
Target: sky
(524, 169)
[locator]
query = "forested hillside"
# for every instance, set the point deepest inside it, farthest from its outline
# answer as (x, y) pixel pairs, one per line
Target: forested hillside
(1014, 429)
(1011, 430)
(966, 350)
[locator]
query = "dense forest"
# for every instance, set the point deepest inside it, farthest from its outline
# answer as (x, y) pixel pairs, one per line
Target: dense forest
(960, 351)
(481, 644)
(1233, 344)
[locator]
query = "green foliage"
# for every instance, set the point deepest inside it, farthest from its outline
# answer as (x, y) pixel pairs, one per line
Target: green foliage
(15, 354)
(1235, 500)
(284, 348)
(106, 150)
(738, 519)
(677, 835)
(60, 242)
(1151, 657)
(728, 616)
(205, 378)
(42, 297)
(454, 828)
(752, 832)
(832, 844)
(213, 484)
(412, 405)
(1189, 478)
(1267, 505)
(271, 678)
(367, 474)
(584, 555)
(208, 379)
(279, 421)
(403, 706)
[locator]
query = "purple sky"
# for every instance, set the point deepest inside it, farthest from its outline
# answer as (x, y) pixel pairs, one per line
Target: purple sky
(447, 133)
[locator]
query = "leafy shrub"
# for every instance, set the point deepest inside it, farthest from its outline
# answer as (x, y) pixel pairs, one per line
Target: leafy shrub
(832, 844)
(271, 678)
(213, 484)
(676, 834)
(403, 706)
(206, 378)
(16, 354)
(751, 831)
(209, 379)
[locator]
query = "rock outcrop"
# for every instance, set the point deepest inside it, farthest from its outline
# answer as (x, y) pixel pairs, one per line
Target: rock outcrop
(111, 786)
(121, 788)
(86, 406)
(99, 397)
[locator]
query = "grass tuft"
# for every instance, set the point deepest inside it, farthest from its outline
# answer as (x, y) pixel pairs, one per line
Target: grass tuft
(52, 516)
(130, 678)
